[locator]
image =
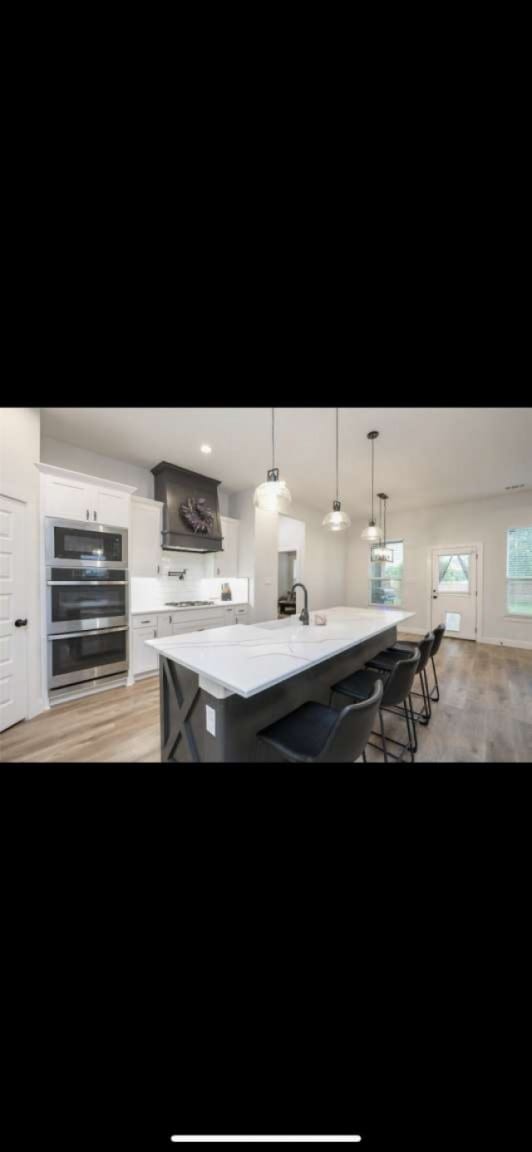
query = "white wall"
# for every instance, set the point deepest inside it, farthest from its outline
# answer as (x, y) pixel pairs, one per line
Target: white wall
(20, 430)
(65, 455)
(324, 558)
(478, 521)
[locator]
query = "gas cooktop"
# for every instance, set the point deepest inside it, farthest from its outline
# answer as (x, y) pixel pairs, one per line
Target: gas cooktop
(188, 603)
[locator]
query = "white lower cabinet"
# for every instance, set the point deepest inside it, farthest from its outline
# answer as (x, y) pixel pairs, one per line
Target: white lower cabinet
(157, 625)
(145, 659)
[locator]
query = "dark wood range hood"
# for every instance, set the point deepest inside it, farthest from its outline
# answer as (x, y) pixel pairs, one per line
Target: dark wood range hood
(177, 487)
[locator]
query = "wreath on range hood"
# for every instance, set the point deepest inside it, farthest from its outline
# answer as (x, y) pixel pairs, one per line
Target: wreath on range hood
(197, 516)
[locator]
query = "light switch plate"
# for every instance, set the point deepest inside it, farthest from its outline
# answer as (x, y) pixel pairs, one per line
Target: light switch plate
(210, 719)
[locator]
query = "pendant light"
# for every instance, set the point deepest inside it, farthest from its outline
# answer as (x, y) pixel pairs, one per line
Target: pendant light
(380, 553)
(336, 521)
(372, 532)
(273, 494)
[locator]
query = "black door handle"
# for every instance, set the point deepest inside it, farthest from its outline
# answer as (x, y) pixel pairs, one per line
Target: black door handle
(20, 623)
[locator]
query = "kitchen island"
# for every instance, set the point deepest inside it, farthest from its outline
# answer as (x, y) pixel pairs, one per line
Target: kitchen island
(219, 687)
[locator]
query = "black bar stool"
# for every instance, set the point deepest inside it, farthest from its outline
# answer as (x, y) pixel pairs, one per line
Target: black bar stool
(314, 733)
(387, 660)
(438, 631)
(398, 682)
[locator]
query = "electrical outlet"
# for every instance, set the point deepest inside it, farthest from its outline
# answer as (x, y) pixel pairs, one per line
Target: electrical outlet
(210, 719)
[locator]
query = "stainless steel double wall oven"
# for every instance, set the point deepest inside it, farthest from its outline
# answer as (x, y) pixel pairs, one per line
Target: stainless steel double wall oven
(87, 602)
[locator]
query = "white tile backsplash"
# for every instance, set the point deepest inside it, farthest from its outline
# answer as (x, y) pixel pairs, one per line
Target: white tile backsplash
(151, 592)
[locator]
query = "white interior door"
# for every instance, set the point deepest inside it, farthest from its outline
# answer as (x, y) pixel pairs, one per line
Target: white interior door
(454, 591)
(12, 619)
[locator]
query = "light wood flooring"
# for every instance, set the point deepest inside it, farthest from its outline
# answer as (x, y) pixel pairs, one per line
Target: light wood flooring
(484, 715)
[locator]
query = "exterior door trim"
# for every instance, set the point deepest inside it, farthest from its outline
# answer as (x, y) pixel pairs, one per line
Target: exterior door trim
(470, 546)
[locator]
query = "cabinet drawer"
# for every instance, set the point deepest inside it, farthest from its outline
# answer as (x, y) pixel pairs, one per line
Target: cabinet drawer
(144, 621)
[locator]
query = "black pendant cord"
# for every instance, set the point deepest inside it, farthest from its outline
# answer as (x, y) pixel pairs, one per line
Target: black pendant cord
(273, 472)
(384, 541)
(336, 455)
(372, 516)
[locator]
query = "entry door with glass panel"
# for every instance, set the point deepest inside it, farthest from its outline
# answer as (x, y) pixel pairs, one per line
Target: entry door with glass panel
(454, 591)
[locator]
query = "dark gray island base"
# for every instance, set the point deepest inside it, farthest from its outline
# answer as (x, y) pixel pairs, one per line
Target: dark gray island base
(237, 719)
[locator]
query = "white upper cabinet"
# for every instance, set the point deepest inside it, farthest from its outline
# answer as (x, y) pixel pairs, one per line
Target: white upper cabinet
(226, 562)
(67, 499)
(145, 540)
(110, 507)
(74, 496)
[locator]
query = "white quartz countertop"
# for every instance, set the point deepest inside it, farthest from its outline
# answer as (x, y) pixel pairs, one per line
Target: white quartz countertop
(153, 609)
(248, 658)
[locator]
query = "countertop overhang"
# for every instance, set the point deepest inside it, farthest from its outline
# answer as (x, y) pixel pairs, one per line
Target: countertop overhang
(247, 659)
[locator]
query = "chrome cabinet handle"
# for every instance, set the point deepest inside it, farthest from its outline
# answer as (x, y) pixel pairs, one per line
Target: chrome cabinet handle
(82, 635)
(87, 583)
(88, 514)
(94, 515)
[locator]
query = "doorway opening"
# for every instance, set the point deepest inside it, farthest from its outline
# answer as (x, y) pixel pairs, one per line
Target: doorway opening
(290, 564)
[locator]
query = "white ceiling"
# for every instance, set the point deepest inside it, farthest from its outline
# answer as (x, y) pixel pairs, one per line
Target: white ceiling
(423, 456)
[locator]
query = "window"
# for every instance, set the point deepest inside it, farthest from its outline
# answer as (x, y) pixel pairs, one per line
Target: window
(386, 578)
(519, 571)
(453, 573)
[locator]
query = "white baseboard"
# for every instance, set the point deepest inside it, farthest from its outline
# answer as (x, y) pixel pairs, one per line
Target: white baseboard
(481, 639)
(505, 643)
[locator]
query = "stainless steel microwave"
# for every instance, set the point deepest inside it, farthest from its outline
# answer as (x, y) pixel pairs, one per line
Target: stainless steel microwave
(73, 543)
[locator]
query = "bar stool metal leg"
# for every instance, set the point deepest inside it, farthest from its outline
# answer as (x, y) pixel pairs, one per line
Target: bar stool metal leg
(410, 740)
(436, 688)
(383, 737)
(412, 717)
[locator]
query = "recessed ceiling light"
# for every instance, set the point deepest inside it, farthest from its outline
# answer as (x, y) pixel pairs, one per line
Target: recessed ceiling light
(206, 448)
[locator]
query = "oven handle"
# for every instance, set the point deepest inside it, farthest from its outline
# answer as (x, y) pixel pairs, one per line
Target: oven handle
(91, 632)
(86, 583)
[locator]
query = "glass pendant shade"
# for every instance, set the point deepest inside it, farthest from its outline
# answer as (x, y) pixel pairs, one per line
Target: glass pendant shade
(274, 494)
(336, 521)
(372, 533)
